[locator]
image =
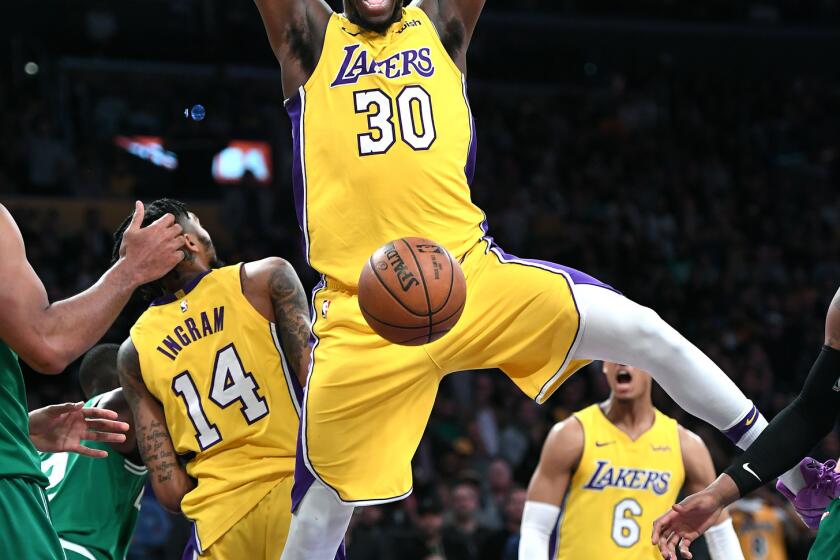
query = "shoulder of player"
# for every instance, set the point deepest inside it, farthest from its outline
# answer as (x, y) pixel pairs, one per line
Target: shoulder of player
(565, 441)
(115, 400)
(693, 447)
(260, 274)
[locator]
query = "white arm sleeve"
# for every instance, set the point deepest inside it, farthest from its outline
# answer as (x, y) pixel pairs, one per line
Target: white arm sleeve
(723, 542)
(538, 522)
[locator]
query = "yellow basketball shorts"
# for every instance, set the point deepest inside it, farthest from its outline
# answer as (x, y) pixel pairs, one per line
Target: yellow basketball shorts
(368, 401)
(260, 534)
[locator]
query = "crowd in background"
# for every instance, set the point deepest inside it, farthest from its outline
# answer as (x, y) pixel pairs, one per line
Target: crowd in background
(709, 197)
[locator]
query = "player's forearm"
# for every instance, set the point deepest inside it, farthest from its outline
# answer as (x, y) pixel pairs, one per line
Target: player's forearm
(70, 327)
(722, 542)
(795, 430)
(538, 521)
(169, 479)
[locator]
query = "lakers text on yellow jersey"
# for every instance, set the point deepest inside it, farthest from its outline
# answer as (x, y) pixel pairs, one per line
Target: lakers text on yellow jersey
(619, 488)
(384, 146)
(217, 367)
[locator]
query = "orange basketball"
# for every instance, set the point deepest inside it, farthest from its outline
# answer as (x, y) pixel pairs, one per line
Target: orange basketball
(412, 291)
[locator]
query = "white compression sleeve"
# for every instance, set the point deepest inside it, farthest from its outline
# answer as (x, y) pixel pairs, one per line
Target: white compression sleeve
(538, 522)
(619, 330)
(318, 526)
(723, 542)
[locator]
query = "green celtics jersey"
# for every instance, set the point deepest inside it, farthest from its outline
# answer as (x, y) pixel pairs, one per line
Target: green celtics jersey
(94, 502)
(18, 457)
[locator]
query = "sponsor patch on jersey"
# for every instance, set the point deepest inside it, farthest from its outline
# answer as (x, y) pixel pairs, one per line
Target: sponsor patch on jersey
(358, 62)
(607, 475)
(837, 385)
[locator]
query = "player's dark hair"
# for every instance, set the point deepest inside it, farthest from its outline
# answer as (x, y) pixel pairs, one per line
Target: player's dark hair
(154, 211)
(98, 372)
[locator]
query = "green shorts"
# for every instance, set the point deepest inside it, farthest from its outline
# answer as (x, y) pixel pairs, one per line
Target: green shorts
(26, 532)
(827, 545)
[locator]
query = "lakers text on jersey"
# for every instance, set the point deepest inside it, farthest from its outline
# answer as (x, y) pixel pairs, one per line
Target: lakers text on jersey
(619, 488)
(384, 146)
(230, 400)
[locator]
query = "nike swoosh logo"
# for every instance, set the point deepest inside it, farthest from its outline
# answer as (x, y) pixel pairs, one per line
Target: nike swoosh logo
(350, 32)
(749, 470)
(754, 416)
(602, 444)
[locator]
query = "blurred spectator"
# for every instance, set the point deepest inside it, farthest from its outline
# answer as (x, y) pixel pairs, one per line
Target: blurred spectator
(503, 544)
(463, 526)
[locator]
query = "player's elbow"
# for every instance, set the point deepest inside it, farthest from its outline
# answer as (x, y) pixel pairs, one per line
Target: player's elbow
(47, 360)
(170, 501)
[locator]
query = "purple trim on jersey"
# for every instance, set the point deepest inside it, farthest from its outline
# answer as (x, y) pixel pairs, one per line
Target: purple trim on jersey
(192, 550)
(552, 539)
(294, 106)
(736, 432)
(190, 286)
(469, 169)
(576, 275)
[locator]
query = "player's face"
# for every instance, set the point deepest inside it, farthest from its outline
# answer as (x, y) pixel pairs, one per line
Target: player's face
(199, 246)
(375, 15)
(626, 382)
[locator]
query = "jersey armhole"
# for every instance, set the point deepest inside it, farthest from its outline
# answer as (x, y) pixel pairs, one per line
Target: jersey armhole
(413, 9)
(583, 448)
(318, 65)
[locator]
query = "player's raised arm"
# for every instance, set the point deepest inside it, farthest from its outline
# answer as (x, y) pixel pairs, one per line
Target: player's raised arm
(295, 30)
(699, 473)
(170, 480)
(560, 456)
(455, 21)
(48, 336)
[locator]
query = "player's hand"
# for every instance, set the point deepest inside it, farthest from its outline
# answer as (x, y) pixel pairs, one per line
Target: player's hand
(151, 252)
(63, 427)
(677, 529)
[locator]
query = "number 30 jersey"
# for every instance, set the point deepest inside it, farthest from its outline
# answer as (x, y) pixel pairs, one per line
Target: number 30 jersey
(384, 146)
(231, 402)
(619, 488)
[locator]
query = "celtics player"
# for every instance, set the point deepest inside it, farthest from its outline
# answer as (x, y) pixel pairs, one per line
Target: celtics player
(385, 147)
(793, 433)
(94, 502)
(606, 473)
(48, 336)
(213, 372)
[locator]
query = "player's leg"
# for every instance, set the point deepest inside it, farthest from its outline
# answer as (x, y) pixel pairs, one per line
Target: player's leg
(539, 322)
(318, 526)
(365, 408)
(620, 330)
(26, 532)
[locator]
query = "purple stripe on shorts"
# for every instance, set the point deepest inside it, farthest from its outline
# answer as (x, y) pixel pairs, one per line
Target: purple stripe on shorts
(294, 107)
(576, 275)
(736, 432)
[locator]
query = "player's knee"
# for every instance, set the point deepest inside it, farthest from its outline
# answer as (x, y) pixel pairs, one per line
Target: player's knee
(654, 333)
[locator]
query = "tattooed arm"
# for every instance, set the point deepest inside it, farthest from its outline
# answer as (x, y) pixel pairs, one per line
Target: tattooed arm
(169, 479)
(274, 289)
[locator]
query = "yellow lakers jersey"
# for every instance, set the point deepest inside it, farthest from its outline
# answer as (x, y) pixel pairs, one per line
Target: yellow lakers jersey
(384, 146)
(619, 488)
(760, 530)
(216, 365)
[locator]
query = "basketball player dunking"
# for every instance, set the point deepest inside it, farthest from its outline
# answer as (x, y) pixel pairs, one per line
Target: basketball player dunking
(384, 148)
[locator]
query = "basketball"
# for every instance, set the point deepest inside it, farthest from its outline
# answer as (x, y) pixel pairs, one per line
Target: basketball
(412, 291)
